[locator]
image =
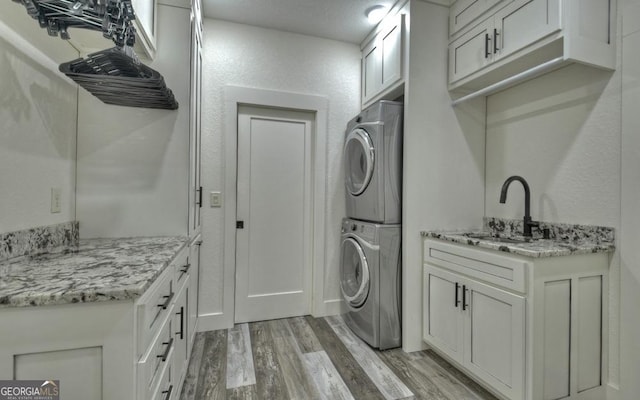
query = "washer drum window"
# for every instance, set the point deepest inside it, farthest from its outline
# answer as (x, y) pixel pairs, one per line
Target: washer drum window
(354, 273)
(359, 161)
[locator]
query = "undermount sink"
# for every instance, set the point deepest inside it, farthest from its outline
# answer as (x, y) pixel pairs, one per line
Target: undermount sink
(487, 236)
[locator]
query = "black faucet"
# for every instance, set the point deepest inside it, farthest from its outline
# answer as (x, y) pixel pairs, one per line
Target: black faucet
(528, 223)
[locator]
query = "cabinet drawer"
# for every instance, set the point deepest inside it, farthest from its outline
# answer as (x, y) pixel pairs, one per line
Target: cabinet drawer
(165, 390)
(182, 270)
(508, 272)
(154, 309)
(156, 360)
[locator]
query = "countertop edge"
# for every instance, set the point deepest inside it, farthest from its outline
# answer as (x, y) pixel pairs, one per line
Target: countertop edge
(558, 250)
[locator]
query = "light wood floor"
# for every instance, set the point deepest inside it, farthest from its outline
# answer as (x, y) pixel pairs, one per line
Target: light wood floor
(308, 358)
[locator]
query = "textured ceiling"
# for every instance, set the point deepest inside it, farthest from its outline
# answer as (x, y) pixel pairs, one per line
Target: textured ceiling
(332, 19)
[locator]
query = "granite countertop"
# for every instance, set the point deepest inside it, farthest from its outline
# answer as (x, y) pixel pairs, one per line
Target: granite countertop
(565, 239)
(97, 270)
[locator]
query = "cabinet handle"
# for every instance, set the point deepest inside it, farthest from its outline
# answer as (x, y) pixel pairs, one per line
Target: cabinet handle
(166, 350)
(167, 301)
(464, 297)
(181, 313)
(167, 393)
(185, 268)
(457, 299)
(495, 41)
(199, 202)
(487, 39)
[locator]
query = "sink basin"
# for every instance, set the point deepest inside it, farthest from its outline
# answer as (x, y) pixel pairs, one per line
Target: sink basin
(489, 237)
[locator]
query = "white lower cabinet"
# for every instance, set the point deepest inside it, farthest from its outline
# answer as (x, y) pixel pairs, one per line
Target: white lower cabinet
(109, 350)
(477, 325)
(525, 328)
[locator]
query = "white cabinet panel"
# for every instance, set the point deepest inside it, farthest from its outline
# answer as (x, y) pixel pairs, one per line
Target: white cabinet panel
(371, 64)
(442, 322)
(522, 23)
(557, 338)
(463, 12)
(78, 370)
(392, 55)
(589, 332)
(470, 52)
(494, 332)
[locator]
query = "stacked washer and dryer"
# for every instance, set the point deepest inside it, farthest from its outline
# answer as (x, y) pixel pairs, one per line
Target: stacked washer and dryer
(370, 265)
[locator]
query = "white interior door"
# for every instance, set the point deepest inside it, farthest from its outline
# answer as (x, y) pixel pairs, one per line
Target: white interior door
(274, 203)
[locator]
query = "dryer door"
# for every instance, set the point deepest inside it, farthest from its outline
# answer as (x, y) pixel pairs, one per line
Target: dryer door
(354, 273)
(358, 160)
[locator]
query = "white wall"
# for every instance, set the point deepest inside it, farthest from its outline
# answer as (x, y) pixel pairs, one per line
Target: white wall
(242, 55)
(561, 132)
(443, 187)
(133, 162)
(37, 123)
(630, 219)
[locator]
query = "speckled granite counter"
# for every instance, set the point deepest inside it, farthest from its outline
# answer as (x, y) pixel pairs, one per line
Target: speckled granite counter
(98, 270)
(565, 239)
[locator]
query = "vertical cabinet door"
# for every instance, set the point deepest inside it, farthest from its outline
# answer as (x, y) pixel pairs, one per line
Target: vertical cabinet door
(495, 337)
(371, 70)
(522, 23)
(181, 333)
(442, 305)
(192, 305)
(463, 12)
(471, 51)
(195, 137)
(391, 42)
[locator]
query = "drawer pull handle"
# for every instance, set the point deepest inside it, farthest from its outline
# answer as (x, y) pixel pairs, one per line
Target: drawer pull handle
(495, 41)
(457, 302)
(167, 393)
(464, 297)
(167, 349)
(181, 314)
(185, 268)
(167, 301)
(487, 39)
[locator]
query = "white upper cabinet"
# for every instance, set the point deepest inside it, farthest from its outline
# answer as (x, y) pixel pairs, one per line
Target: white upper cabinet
(463, 12)
(493, 40)
(145, 24)
(382, 60)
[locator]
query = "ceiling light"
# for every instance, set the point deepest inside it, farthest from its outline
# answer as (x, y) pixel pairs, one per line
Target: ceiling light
(376, 13)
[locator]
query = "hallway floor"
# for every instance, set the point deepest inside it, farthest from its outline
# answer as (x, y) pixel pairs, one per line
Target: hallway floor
(315, 358)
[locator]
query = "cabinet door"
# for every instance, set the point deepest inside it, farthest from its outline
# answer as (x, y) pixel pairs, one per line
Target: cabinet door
(463, 12)
(181, 334)
(471, 51)
(195, 137)
(522, 23)
(371, 70)
(442, 319)
(194, 259)
(391, 43)
(494, 335)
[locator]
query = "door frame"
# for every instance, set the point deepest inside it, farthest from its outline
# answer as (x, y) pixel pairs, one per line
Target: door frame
(233, 97)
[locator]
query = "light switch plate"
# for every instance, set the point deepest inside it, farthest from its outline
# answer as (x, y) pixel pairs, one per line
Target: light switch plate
(56, 201)
(215, 199)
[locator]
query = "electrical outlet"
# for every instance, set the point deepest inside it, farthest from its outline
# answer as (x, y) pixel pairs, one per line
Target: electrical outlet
(56, 206)
(215, 199)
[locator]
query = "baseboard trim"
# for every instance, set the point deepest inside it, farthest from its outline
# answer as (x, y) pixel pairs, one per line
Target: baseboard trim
(613, 392)
(213, 322)
(330, 307)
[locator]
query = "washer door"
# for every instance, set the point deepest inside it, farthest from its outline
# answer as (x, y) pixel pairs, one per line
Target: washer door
(354, 273)
(358, 160)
